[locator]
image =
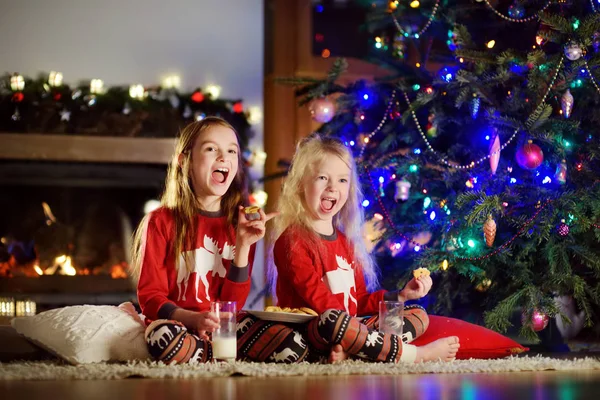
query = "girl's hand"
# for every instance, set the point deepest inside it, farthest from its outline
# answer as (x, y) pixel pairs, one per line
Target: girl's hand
(250, 232)
(416, 288)
(204, 322)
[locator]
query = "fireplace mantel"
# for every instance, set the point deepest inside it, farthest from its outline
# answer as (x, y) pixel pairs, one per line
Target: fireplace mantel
(77, 148)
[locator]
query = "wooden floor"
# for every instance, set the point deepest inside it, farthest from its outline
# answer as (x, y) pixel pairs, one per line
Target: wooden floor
(514, 386)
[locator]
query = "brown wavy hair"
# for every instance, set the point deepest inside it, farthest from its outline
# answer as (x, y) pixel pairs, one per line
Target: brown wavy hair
(179, 197)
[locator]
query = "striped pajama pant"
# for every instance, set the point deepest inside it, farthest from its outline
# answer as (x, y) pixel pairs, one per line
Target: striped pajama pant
(267, 341)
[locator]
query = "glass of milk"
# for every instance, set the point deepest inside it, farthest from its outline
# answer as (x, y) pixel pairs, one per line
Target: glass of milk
(224, 342)
(391, 317)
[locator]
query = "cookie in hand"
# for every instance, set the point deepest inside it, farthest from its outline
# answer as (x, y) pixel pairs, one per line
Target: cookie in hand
(419, 272)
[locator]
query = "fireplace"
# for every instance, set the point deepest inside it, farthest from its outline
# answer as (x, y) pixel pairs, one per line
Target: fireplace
(68, 208)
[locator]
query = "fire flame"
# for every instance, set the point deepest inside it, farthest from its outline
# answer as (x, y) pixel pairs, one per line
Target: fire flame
(66, 266)
(38, 269)
(50, 218)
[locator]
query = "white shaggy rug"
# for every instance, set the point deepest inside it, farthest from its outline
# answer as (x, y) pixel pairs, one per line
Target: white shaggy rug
(50, 370)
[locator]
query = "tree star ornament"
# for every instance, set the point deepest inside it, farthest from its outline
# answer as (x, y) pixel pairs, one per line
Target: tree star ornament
(566, 103)
(489, 231)
(495, 153)
(65, 115)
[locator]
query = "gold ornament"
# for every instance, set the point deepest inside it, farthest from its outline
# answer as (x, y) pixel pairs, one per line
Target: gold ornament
(489, 230)
(484, 285)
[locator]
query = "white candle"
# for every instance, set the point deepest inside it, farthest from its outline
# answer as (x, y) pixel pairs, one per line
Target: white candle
(224, 348)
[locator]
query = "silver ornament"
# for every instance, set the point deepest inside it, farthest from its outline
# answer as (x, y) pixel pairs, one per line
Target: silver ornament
(573, 51)
(566, 103)
(402, 190)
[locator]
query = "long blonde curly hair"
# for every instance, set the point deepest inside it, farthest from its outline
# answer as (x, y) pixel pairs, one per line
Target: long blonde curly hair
(179, 197)
(310, 152)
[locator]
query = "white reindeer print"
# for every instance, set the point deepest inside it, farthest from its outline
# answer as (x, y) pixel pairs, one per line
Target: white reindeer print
(197, 357)
(206, 259)
(374, 338)
(407, 337)
(284, 355)
(299, 339)
(341, 280)
(325, 317)
(163, 334)
(244, 326)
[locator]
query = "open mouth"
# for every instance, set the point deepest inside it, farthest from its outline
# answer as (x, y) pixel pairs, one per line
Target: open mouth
(327, 203)
(220, 175)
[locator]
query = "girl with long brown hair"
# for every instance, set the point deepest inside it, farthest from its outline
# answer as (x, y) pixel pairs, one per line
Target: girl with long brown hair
(198, 246)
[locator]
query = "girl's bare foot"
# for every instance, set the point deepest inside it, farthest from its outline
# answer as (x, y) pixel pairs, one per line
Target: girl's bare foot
(443, 349)
(337, 354)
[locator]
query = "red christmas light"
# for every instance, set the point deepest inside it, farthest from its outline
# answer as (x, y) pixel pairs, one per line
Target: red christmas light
(238, 107)
(197, 97)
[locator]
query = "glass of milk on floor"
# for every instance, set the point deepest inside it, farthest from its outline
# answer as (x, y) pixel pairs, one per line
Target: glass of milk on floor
(224, 342)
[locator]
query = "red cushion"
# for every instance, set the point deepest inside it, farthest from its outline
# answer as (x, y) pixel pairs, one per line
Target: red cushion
(475, 341)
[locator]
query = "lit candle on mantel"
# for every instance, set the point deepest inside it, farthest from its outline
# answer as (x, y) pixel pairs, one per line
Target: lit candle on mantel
(7, 307)
(25, 308)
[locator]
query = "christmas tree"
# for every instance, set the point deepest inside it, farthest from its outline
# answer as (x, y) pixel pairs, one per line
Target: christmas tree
(479, 153)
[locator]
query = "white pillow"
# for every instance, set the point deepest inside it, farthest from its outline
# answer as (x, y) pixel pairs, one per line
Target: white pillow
(87, 334)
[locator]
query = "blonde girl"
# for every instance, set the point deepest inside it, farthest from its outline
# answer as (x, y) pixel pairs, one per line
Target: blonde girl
(320, 261)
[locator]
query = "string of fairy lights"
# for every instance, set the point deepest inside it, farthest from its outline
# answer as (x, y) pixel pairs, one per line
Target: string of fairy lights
(422, 30)
(519, 20)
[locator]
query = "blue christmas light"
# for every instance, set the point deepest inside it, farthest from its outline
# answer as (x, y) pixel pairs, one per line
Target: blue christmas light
(547, 179)
(432, 215)
(417, 151)
(367, 97)
(426, 202)
(487, 137)
(319, 8)
(365, 203)
(352, 143)
(381, 179)
(518, 69)
(513, 180)
(447, 212)
(417, 248)
(447, 74)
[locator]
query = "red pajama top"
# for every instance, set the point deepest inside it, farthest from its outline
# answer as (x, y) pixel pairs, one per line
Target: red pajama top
(322, 278)
(164, 286)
